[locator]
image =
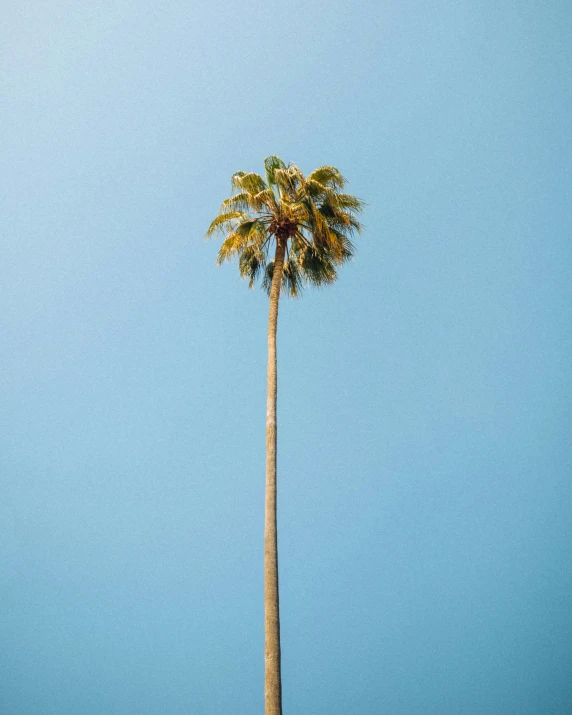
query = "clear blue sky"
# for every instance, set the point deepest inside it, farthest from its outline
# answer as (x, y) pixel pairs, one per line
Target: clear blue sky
(424, 401)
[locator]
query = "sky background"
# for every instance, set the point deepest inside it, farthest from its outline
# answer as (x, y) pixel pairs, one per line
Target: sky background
(424, 400)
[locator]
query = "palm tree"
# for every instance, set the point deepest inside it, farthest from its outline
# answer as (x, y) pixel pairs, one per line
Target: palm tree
(306, 222)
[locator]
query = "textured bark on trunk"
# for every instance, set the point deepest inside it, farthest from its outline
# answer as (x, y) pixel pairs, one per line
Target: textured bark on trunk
(272, 677)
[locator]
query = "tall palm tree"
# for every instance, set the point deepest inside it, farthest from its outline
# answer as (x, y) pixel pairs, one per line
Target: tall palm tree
(306, 223)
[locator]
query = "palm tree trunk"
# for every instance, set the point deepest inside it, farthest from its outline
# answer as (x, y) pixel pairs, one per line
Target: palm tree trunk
(272, 677)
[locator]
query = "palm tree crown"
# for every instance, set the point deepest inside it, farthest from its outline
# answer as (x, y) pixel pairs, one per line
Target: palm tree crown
(310, 214)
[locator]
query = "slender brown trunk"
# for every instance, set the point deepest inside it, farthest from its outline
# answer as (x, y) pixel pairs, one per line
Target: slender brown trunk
(272, 677)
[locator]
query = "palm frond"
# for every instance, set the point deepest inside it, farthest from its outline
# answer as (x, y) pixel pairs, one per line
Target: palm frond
(288, 180)
(342, 220)
(316, 190)
(253, 183)
(267, 278)
(318, 268)
(292, 278)
(235, 179)
(251, 262)
(317, 224)
(251, 233)
(253, 227)
(224, 221)
(265, 199)
(341, 247)
(232, 245)
(347, 201)
(328, 176)
(239, 202)
(271, 163)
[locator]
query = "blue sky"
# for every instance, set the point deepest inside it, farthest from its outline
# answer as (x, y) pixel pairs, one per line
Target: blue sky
(424, 400)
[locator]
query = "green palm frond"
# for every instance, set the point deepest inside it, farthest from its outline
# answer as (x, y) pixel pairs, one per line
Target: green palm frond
(328, 176)
(342, 220)
(251, 262)
(288, 180)
(239, 202)
(248, 234)
(316, 190)
(249, 226)
(300, 211)
(271, 163)
(318, 268)
(223, 221)
(292, 278)
(267, 278)
(265, 199)
(283, 181)
(235, 179)
(317, 224)
(347, 201)
(232, 246)
(253, 183)
(345, 248)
